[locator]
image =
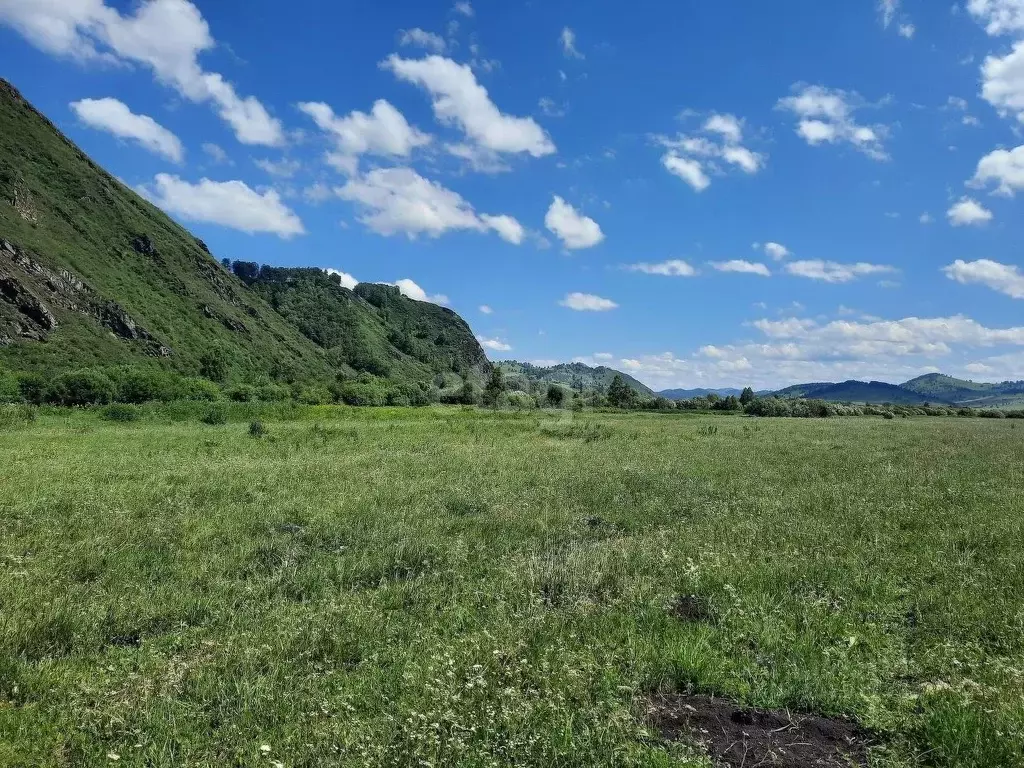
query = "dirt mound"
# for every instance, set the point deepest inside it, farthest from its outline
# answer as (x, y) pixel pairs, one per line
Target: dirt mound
(753, 738)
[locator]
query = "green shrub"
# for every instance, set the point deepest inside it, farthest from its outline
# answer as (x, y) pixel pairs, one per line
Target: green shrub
(467, 394)
(992, 414)
(317, 395)
(33, 387)
(85, 387)
(362, 392)
(418, 394)
(194, 388)
(520, 400)
(121, 412)
(274, 393)
(257, 430)
(242, 393)
(396, 396)
(138, 385)
(557, 395)
(216, 415)
(213, 365)
(10, 392)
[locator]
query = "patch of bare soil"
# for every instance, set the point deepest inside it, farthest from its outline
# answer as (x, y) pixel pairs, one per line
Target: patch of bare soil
(738, 737)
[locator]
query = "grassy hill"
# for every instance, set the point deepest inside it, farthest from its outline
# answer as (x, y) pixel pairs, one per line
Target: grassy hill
(92, 275)
(963, 392)
(578, 376)
(935, 388)
(372, 328)
(802, 390)
(856, 392)
(870, 392)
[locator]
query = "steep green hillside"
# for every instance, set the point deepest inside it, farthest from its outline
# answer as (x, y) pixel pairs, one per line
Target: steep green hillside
(93, 275)
(581, 377)
(373, 328)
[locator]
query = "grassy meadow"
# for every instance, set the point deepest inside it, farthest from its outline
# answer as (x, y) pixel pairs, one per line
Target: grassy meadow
(445, 587)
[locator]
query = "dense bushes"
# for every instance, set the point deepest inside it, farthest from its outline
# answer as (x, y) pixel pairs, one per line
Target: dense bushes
(85, 387)
(777, 406)
(138, 385)
(120, 412)
(362, 391)
(10, 392)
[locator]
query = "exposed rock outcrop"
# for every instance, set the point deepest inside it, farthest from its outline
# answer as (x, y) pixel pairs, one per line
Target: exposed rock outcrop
(32, 295)
(141, 244)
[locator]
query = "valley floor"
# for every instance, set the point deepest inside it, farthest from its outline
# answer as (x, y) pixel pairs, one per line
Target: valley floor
(441, 587)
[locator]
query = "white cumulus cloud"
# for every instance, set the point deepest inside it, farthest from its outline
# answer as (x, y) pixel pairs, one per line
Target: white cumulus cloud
(419, 37)
(400, 201)
(411, 290)
(575, 230)
(670, 268)
(826, 116)
(1005, 278)
(1003, 81)
(587, 302)
(777, 251)
(968, 212)
(693, 157)
(347, 281)
(1000, 17)
(690, 171)
(115, 117)
(458, 99)
(508, 228)
(384, 132)
(165, 35)
(231, 204)
(495, 345)
(741, 266)
(1004, 167)
(834, 272)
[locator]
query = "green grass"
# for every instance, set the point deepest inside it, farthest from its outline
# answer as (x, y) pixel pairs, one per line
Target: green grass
(451, 587)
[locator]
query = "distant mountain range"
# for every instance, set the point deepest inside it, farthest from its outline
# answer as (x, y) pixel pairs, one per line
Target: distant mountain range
(935, 388)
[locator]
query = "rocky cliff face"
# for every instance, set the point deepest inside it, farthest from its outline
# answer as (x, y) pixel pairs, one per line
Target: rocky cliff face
(32, 294)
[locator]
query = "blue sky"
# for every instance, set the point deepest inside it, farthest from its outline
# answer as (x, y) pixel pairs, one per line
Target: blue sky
(701, 194)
